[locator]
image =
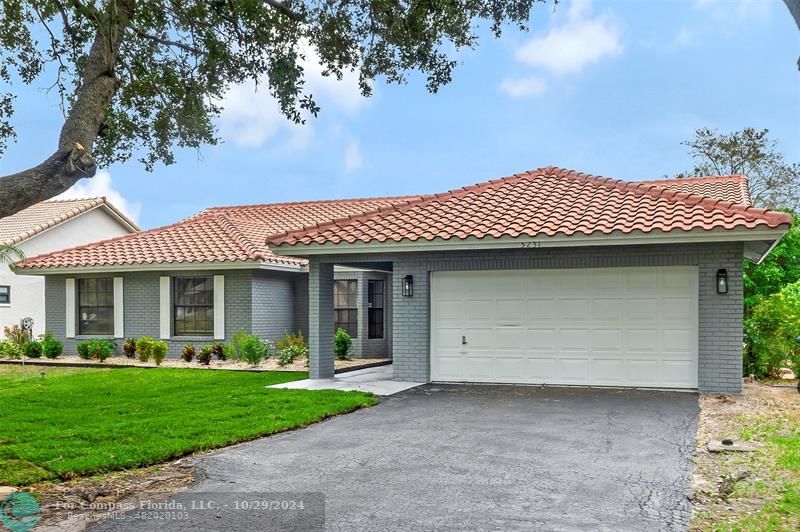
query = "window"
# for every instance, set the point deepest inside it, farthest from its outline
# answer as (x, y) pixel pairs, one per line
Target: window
(375, 304)
(95, 306)
(194, 306)
(5, 295)
(345, 304)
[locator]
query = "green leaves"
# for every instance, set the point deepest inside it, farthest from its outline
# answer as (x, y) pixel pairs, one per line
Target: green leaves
(176, 60)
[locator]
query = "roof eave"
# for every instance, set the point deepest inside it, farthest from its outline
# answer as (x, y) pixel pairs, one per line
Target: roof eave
(575, 240)
(164, 266)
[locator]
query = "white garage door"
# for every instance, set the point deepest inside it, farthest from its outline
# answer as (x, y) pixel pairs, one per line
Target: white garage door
(607, 327)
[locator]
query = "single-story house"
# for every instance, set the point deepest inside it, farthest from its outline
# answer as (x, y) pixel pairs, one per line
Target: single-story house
(204, 278)
(45, 227)
(545, 277)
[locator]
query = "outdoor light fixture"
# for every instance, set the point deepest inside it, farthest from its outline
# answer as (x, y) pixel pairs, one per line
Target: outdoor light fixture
(722, 281)
(408, 286)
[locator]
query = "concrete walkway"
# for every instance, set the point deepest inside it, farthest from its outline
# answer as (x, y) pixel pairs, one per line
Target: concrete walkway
(374, 380)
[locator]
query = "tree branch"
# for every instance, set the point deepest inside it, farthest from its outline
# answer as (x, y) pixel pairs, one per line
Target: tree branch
(283, 9)
(168, 42)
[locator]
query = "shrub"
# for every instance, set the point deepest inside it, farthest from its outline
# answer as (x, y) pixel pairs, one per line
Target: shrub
(292, 339)
(16, 335)
(287, 355)
(32, 349)
(51, 348)
(233, 350)
(773, 334)
(205, 354)
(218, 350)
(144, 347)
(159, 351)
(129, 347)
(188, 352)
(252, 350)
(10, 349)
(96, 349)
(342, 343)
(269, 349)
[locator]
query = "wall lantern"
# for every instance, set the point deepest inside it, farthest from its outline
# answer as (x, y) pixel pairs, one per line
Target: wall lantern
(722, 281)
(408, 286)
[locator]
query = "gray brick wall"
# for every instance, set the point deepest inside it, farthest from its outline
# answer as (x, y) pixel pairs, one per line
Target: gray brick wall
(720, 327)
(273, 303)
(142, 305)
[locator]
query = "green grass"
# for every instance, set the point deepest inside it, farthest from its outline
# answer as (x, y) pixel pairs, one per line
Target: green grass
(778, 463)
(75, 422)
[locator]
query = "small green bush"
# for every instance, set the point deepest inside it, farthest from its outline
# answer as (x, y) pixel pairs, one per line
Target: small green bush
(292, 339)
(10, 350)
(252, 350)
(188, 352)
(218, 350)
(773, 334)
(289, 354)
(129, 347)
(233, 350)
(51, 348)
(144, 348)
(160, 349)
(205, 355)
(342, 343)
(97, 349)
(269, 349)
(32, 349)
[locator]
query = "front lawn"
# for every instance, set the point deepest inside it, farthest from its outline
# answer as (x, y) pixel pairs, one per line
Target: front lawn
(61, 423)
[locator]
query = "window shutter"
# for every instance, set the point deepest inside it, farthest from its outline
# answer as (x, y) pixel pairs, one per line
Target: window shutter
(219, 307)
(166, 308)
(70, 308)
(119, 308)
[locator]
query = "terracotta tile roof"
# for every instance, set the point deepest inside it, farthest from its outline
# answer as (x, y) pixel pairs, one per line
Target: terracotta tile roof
(545, 202)
(220, 234)
(732, 188)
(42, 216)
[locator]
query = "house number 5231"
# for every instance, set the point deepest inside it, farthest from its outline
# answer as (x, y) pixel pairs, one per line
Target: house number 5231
(531, 244)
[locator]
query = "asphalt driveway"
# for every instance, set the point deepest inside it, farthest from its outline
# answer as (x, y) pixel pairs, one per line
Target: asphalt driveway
(466, 458)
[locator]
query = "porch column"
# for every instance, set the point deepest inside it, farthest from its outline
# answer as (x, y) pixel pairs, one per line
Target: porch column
(320, 320)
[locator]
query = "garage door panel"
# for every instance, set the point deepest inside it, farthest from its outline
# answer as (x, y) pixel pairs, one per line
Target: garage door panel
(641, 340)
(674, 308)
(541, 339)
(510, 337)
(449, 309)
(604, 309)
(541, 309)
(607, 326)
(479, 309)
(641, 309)
(448, 338)
(607, 371)
(573, 309)
(573, 370)
(573, 339)
(511, 310)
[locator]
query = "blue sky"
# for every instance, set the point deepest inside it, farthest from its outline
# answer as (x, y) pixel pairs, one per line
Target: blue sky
(604, 87)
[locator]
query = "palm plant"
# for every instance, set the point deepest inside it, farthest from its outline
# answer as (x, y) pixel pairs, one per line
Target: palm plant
(10, 254)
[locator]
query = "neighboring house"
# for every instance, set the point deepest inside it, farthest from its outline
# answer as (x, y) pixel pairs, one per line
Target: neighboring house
(545, 277)
(208, 276)
(46, 227)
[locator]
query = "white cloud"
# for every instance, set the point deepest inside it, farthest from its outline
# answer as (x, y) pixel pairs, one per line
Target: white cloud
(569, 47)
(684, 37)
(521, 87)
(352, 157)
(251, 116)
(100, 185)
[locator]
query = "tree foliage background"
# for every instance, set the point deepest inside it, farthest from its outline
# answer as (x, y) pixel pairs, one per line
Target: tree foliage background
(138, 77)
